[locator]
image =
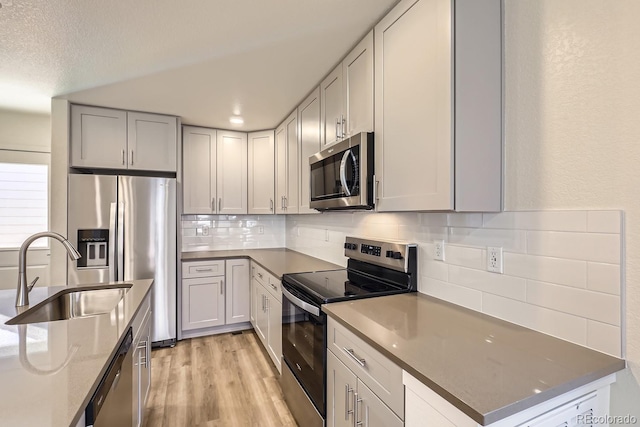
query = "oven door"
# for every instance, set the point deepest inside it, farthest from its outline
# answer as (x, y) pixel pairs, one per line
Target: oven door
(304, 343)
(340, 175)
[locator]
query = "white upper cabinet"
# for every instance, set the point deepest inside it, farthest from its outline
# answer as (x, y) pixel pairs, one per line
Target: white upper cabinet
(152, 142)
(309, 144)
(98, 137)
(347, 95)
(199, 170)
(438, 141)
(116, 139)
(261, 172)
(231, 171)
(287, 165)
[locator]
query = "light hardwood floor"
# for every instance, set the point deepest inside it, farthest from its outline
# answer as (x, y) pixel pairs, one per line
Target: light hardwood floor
(221, 380)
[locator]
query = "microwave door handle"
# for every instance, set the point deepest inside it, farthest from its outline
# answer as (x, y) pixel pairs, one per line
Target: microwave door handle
(343, 173)
(300, 304)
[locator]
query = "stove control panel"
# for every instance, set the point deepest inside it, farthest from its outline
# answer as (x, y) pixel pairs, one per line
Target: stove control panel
(390, 254)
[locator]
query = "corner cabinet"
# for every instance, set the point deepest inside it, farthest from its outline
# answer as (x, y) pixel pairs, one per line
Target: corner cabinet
(438, 97)
(287, 165)
(116, 139)
(214, 171)
(308, 145)
(261, 173)
(347, 95)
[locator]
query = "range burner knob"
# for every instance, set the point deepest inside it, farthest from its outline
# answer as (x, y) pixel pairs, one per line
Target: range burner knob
(351, 246)
(396, 255)
(347, 245)
(389, 254)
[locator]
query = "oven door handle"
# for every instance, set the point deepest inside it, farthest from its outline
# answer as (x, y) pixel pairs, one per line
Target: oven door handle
(301, 304)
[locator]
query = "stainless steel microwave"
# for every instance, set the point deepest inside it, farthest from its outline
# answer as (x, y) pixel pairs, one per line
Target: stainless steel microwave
(342, 175)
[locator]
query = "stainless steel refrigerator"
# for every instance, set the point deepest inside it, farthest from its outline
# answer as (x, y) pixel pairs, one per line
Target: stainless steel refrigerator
(125, 229)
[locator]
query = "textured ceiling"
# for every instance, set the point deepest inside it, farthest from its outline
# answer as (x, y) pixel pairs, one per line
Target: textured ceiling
(204, 60)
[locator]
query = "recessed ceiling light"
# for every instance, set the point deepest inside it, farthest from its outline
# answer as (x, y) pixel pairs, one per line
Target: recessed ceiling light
(236, 120)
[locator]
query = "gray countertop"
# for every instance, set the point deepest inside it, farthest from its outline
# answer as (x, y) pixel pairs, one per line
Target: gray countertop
(50, 370)
(277, 261)
(486, 367)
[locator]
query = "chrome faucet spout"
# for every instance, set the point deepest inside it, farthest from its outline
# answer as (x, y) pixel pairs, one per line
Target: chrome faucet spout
(22, 297)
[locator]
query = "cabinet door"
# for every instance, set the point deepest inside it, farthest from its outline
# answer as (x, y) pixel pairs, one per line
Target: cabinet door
(371, 411)
(341, 386)
(261, 173)
(136, 402)
(142, 360)
(358, 82)
(152, 142)
(238, 298)
(291, 199)
(231, 171)
(262, 317)
(98, 137)
(332, 107)
(281, 167)
(254, 296)
(198, 170)
(309, 144)
(202, 302)
(413, 114)
(274, 347)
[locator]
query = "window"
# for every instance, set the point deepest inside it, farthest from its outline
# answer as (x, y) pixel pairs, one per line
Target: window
(24, 198)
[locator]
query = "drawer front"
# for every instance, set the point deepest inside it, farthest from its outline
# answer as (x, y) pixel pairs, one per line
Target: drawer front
(274, 287)
(260, 274)
(193, 269)
(380, 374)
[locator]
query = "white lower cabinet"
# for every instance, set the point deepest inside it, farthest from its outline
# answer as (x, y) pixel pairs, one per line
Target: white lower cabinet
(141, 348)
(363, 387)
(425, 408)
(266, 305)
(215, 297)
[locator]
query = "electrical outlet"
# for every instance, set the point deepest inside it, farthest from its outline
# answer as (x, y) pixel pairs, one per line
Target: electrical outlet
(494, 259)
(260, 229)
(438, 253)
(205, 230)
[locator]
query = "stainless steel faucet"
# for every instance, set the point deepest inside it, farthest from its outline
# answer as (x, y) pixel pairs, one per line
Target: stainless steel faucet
(22, 298)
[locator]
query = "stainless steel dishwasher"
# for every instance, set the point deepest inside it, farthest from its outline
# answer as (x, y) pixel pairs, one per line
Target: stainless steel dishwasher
(111, 404)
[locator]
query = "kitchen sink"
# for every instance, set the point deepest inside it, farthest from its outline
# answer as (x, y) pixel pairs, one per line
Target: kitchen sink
(73, 303)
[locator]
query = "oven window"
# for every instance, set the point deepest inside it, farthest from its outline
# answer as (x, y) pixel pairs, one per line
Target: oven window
(303, 345)
(325, 176)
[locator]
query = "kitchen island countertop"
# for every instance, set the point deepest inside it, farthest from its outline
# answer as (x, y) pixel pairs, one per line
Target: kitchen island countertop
(50, 370)
(277, 261)
(486, 367)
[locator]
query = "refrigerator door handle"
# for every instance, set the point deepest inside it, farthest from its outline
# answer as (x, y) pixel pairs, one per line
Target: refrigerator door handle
(120, 244)
(112, 242)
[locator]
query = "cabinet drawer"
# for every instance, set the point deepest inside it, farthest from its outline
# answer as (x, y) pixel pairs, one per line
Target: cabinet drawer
(273, 286)
(260, 274)
(380, 374)
(202, 269)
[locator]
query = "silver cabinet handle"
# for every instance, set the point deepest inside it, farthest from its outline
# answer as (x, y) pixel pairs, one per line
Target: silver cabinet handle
(375, 189)
(262, 303)
(356, 412)
(337, 126)
(266, 299)
(271, 205)
(275, 288)
(351, 354)
(213, 204)
(347, 411)
(221, 287)
(286, 202)
(344, 123)
(260, 275)
(143, 360)
(204, 269)
(123, 160)
(220, 205)
(131, 156)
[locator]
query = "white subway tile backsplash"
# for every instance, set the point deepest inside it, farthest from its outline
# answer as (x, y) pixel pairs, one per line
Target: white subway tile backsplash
(579, 302)
(604, 221)
(540, 220)
(603, 278)
(460, 295)
(583, 246)
(561, 325)
(544, 269)
(465, 256)
(509, 240)
(499, 284)
(561, 268)
(604, 337)
(221, 232)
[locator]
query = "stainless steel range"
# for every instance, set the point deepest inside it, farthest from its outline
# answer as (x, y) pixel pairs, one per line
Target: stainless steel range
(375, 268)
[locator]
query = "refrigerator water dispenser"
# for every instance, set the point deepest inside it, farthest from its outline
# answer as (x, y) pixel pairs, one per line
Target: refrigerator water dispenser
(93, 245)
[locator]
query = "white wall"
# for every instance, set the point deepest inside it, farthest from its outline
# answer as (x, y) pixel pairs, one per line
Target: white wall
(572, 105)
